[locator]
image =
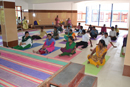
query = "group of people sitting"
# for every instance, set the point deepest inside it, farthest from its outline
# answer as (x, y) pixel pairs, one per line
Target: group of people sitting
(22, 23)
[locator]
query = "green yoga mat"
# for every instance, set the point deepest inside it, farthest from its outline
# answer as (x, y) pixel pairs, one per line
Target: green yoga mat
(91, 69)
(1, 86)
(62, 34)
(121, 53)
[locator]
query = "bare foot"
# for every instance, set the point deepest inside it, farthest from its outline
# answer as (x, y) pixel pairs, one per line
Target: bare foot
(70, 55)
(123, 54)
(65, 40)
(34, 51)
(97, 66)
(80, 48)
(88, 62)
(60, 55)
(91, 49)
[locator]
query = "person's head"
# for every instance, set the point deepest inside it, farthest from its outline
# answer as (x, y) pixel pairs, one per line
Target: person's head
(115, 26)
(26, 33)
(106, 35)
(79, 23)
(70, 30)
(93, 27)
(49, 36)
(104, 25)
(83, 31)
(70, 39)
(81, 27)
(19, 18)
(112, 28)
(41, 29)
(90, 25)
(55, 28)
(68, 18)
(24, 17)
(102, 43)
(69, 26)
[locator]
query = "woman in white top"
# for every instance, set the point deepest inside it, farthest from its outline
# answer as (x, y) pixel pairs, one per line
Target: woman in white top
(26, 42)
(84, 42)
(112, 34)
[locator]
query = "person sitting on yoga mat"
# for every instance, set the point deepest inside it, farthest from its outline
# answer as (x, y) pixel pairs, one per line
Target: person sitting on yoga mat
(103, 29)
(89, 29)
(56, 34)
(70, 47)
(70, 34)
(113, 34)
(85, 39)
(67, 30)
(97, 56)
(78, 27)
(117, 30)
(94, 33)
(48, 46)
(42, 34)
(26, 42)
(80, 31)
(124, 45)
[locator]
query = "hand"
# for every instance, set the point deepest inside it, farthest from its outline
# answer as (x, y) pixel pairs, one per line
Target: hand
(89, 57)
(101, 60)
(91, 45)
(115, 46)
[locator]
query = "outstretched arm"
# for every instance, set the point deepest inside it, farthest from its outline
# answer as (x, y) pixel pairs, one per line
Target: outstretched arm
(113, 45)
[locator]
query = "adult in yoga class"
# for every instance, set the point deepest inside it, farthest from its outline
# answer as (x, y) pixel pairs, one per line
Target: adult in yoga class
(71, 33)
(85, 40)
(78, 27)
(48, 46)
(70, 47)
(124, 45)
(89, 29)
(117, 30)
(69, 23)
(103, 29)
(42, 34)
(25, 43)
(113, 34)
(25, 24)
(57, 21)
(80, 31)
(94, 33)
(56, 33)
(97, 57)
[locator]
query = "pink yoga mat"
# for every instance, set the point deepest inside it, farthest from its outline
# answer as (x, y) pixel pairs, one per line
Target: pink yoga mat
(109, 46)
(67, 58)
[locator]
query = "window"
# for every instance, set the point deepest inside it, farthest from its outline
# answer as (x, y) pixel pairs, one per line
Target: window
(18, 10)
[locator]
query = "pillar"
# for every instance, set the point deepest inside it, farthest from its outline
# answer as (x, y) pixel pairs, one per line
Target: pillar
(8, 23)
(126, 71)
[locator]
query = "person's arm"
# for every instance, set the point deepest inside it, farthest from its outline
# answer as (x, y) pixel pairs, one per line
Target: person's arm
(113, 45)
(103, 56)
(92, 53)
(52, 44)
(74, 50)
(91, 42)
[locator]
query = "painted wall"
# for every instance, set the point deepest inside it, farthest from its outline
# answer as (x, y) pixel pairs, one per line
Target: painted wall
(21, 3)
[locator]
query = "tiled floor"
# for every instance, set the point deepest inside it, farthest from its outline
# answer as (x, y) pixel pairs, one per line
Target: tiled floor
(111, 74)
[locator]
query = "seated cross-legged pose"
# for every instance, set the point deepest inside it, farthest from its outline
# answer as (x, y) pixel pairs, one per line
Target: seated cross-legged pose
(124, 45)
(70, 34)
(85, 39)
(67, 30)
(25, 43)
(70, 47)
(97, 56)
(94, 33)
(80, 31)
(78, 27)
(117, 30)
(112, 34)
(56, 34)
(89, 29)
(103, 29)
(48, 46)
(42, 34)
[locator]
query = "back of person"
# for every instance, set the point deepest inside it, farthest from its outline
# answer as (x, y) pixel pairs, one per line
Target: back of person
(35, 23)
(85, 38)
(107, 40)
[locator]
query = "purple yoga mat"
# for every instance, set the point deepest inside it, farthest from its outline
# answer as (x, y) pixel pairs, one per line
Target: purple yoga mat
(79, 36)
(0, 37)
(96, 38)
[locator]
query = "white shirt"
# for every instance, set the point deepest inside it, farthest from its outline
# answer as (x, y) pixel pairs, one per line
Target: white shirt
(18, 21)
(107, 40)
(85, 38)
(112, 33)
(29, 41)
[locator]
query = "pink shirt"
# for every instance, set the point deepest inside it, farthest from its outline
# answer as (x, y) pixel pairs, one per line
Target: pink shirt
(69, 22)
(103, 29)
(78, 27)
(57, 20)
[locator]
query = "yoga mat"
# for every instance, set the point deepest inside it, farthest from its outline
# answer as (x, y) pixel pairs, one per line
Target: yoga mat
(35, 45)
(0, 37)
(91, 69)
(63, 42)
(121, 53)
(57, 39)
(109, 46)
(1, 86)
(56, 48)
(79, 36)
(49, 31)
(67, 58)
(1, 43)
(96, 38)
(62, 34)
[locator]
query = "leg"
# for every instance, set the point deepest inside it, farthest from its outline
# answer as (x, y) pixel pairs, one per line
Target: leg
(91, 35)
(85, 44)
(95, 36)
(16, 47)
(79, 44)
(117, 34)
(124, 51)
(91, 61)
(101, 64)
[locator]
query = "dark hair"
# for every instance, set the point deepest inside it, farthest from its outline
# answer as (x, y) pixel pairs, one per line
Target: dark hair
(49, 35)
(70, 37)
(55, 27)
(106, 33)
(81, 27)
(71, 30)
(69, 25)
(93, 26)
(41, 27)
(112, 27)
(79, 23)
(26, 32)
(103, 42)
(83, 31)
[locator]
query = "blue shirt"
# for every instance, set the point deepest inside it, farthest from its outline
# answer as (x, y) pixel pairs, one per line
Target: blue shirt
(93, 32)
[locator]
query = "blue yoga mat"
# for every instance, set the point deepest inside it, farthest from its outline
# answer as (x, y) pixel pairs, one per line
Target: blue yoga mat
(48, 31)
(56, 48)
(35, 45)
(57, 39)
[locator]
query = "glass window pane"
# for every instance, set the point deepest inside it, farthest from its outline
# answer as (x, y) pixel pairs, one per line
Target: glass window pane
(120, 15)
(105, 15)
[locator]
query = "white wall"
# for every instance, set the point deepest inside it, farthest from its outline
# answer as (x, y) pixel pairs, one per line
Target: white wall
(55, 6)
(21, 3)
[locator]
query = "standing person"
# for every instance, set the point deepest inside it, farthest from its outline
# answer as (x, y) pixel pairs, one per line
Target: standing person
(56, 34)
(26, 42)
(89, 29)
(97, 57)
(85, 39)
(48, 46)
(42, 34)
(25, 24)
(112, 34)
(103, 29)
(70, 47)
(94, 33)
(57, 21)
(117, 30)
(19, 22)
(78, 27)
(124, 45)
(69, 23)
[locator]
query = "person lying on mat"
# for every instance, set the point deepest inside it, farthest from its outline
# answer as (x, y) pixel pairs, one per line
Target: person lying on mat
(89, 29)
(112, 34)
(85, 39)
(103, 29)
(48, 46)
(94, 33)
(56, 34)
(78, 27)
(42, 34)
(124, 45)
(25, 43)
(70, 47)
(117, 30)
(80, 31)
(97, 57)
(70, 34)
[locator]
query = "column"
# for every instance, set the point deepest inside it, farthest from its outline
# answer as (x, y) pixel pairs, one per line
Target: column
(8, 23)
(126, 71)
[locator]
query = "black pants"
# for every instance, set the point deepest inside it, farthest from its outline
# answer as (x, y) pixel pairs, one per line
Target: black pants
(102, 33)
(113, 38)
(117, 34)
(36, 37)
(85, 44)
(93, 36)
(77, 30)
